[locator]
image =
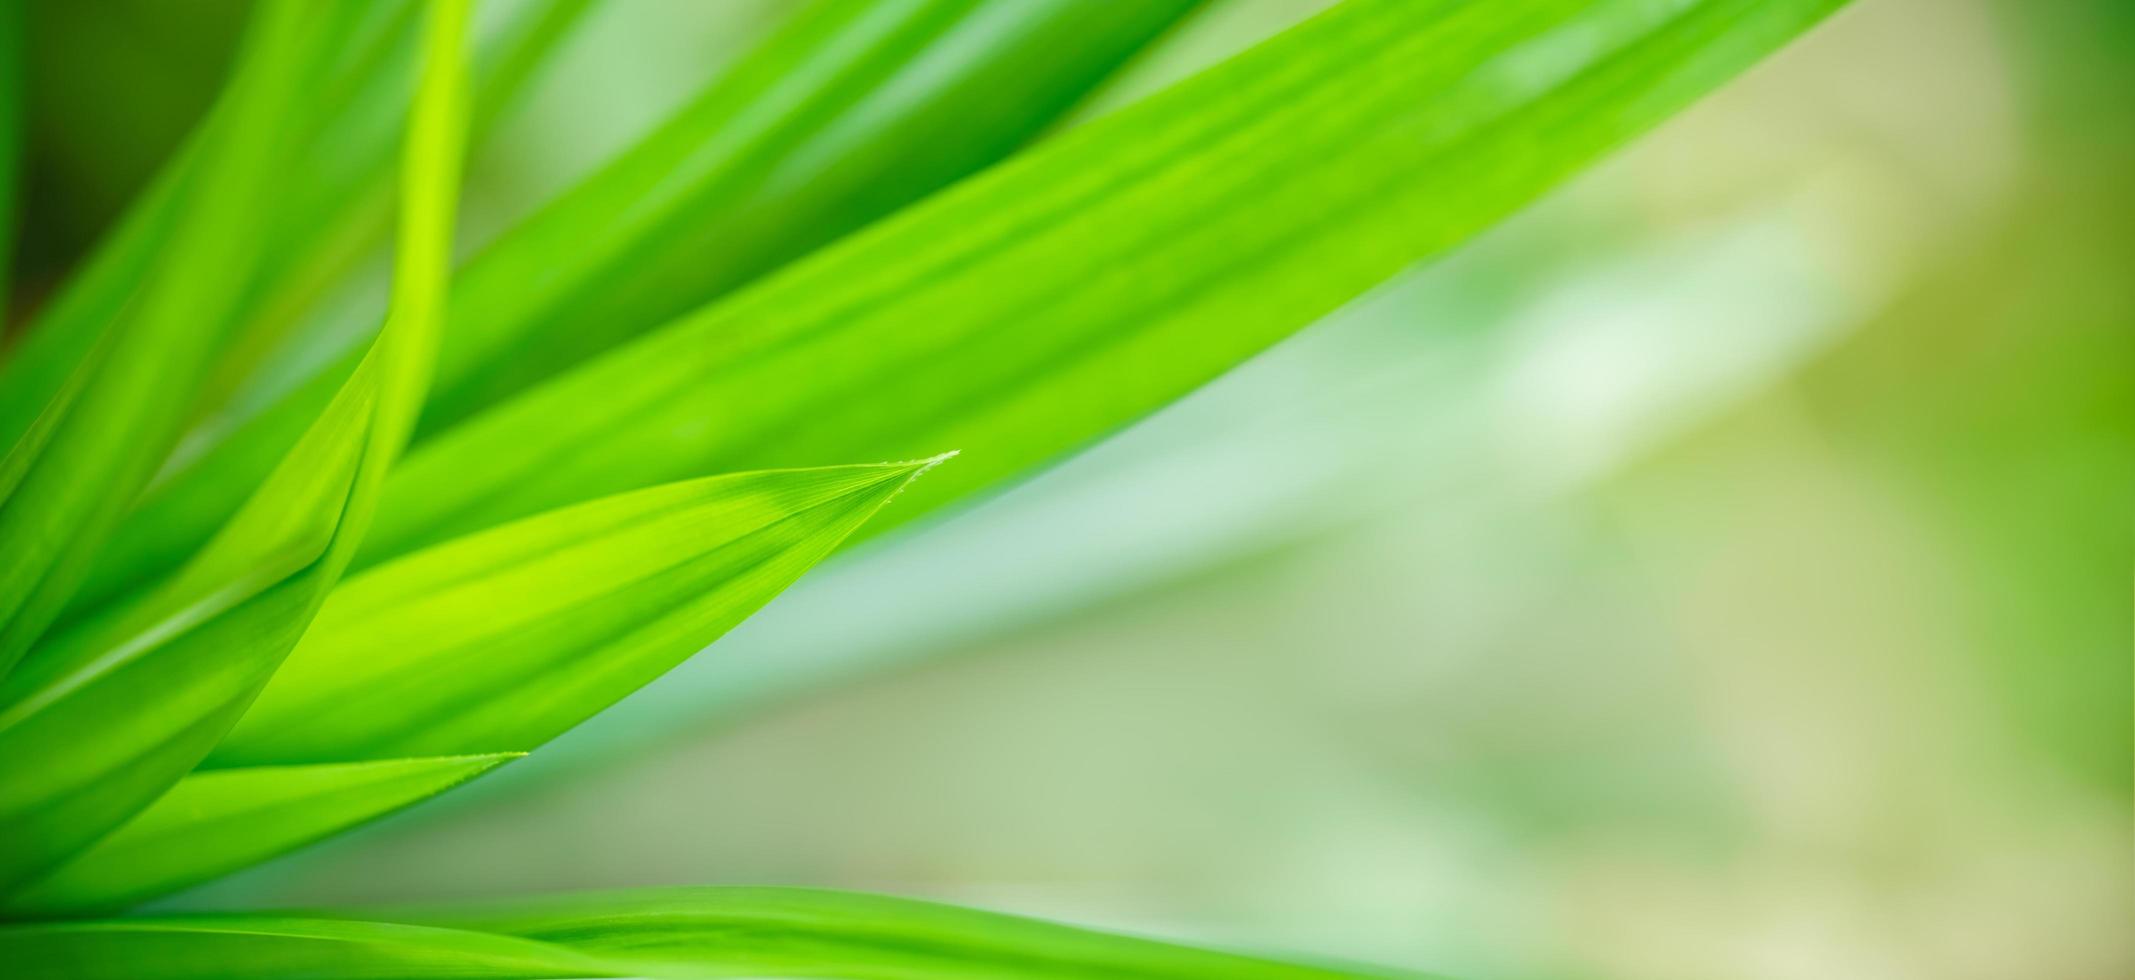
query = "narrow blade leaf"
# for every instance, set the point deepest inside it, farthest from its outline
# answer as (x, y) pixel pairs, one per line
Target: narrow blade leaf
(101, 719)
(96, 448)
(501, 640)
(336, 206)
(276, 948)
(663, 933)
(799, 932)
(1083, 284)
(215, 822)
(851, 111)
(105, 717)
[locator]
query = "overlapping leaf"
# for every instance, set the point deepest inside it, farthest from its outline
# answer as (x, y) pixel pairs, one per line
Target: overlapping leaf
(1021, 314)
(1097, 277)
(501, 640)
(214, 822)
(680, 933)
(350, 108)
(79, 465)
(102, 719)
(854, 109)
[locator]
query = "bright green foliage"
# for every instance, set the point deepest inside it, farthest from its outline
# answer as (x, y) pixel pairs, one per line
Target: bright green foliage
(1018, 315)
(214, 822)
(1103, 274)
(104, 718)
(68, 480)
(855, 109)
(501, 640)
(350, 111)
(681, 933)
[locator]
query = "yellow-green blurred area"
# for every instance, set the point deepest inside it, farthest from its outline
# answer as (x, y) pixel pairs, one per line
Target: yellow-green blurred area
(1720, 570)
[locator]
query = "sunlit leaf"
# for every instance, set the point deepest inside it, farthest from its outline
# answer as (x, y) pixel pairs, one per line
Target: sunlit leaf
(854, 109)
(100, 720)
(695, 932)
(501, 640)
(1097, 277)
(94, 449)
(213, 822)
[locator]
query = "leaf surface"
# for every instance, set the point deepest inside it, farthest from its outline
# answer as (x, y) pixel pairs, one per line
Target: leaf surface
(357, 97)
(103, 718)
(849, 112)
(275, 948)
(679, 933)
(1095, 278)
(215, 822)
(501, 640)
(86, 455)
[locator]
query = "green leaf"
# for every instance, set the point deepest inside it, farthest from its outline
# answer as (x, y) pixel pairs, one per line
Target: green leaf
(101, 719)
(276, 948)
(854, 109)
(501, 640)
(335, 205)
(215, 822)
(799, 932)
(342, 208)
(104, 717)
(92, 451)
(685, 932)
(69, 327)
(1091, 280)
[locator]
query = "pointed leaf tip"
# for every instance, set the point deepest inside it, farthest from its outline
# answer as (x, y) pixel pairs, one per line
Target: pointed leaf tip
(505, 638)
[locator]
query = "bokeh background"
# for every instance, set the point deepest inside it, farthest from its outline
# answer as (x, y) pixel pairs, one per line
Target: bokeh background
(1720, 570)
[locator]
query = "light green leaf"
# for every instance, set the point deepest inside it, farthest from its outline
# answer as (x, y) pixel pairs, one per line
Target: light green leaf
(1053, 299)
(215, 822)
(854, 109)
(799, 932)
(102, 718)
(501, 640)
(680, 933)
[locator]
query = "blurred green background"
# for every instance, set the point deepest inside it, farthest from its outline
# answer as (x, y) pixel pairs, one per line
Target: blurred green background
(1721, 569)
